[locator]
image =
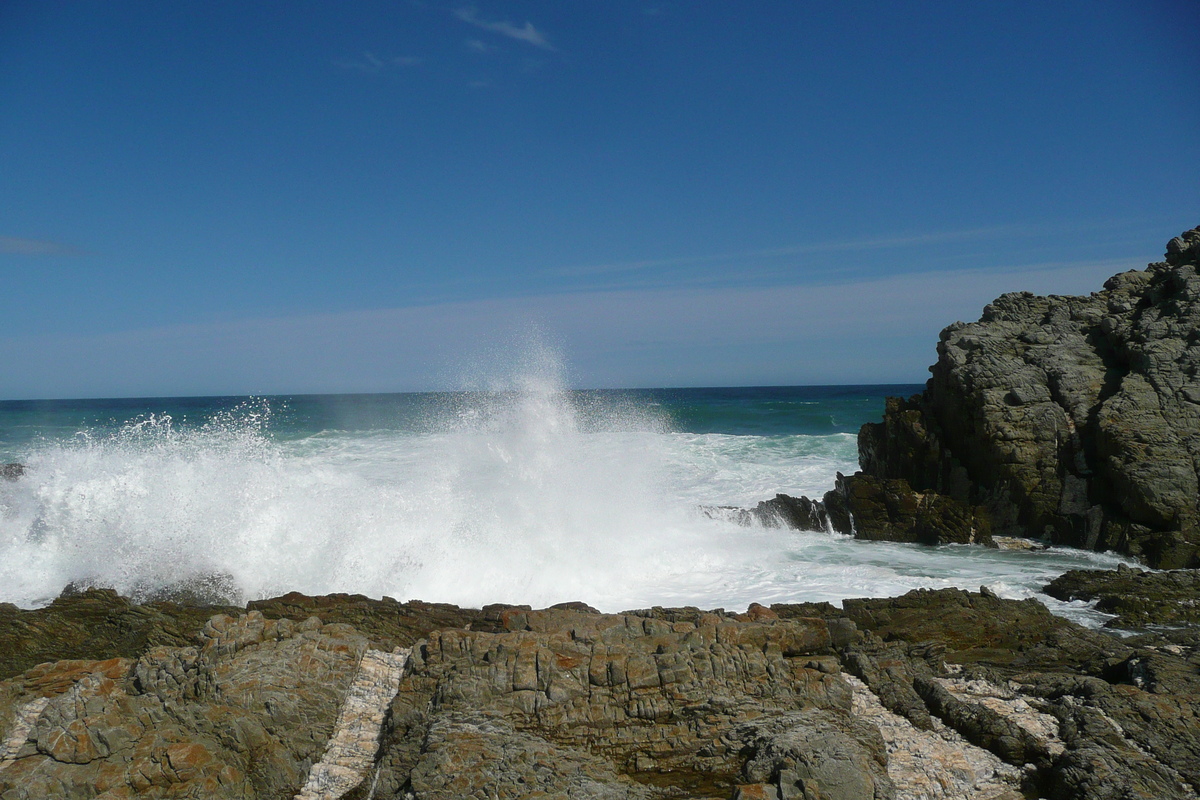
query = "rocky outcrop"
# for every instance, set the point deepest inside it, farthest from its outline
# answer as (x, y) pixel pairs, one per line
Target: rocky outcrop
(1137, 597)
(1092, 716)
(11, 471)
(1076, 419)
(635, 705)
(1070, 419)
(242, 714)
(876, 509)
(94, 625)
(936, 694)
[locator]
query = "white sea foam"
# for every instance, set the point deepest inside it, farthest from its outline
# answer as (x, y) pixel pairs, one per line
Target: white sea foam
(507, 496)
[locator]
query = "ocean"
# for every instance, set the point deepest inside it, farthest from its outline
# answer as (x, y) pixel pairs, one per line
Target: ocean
(526, 493)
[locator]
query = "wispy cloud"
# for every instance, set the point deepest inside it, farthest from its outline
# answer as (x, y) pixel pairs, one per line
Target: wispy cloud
(35, 247)
(480, 47)
(847, 245)
(522, 33)
(371, 63)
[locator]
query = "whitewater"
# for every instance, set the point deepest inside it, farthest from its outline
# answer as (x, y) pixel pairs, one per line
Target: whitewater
(522, 493)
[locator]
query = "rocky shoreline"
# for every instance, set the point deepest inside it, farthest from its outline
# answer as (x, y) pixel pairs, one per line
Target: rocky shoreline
(1075, 420)
(936, 694)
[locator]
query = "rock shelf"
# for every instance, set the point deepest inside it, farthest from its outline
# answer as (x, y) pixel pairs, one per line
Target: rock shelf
(934, 694)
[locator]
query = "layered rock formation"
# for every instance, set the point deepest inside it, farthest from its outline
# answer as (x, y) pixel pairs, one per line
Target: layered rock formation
(937, 694)
(243, 713)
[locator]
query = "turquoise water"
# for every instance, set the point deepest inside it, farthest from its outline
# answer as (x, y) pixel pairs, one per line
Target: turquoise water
(527, 494)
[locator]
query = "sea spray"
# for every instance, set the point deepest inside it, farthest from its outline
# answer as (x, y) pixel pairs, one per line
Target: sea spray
(518, 492)
(507, 497)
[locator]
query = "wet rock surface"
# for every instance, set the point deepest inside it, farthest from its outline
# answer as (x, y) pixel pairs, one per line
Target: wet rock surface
(1138, 597)
(936, 694)
(875, 509)
(889, 509)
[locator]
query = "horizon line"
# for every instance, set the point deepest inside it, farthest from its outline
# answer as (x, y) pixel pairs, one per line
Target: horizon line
(271, 395)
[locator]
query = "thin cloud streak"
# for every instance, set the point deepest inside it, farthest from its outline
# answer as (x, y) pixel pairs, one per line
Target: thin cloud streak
(526, 33)
(793, 250)
(35, 247)
(371, 63)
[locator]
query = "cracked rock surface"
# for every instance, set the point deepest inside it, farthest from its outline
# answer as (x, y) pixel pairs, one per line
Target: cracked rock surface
(936, 694)
(242, 714)
(1075, 420)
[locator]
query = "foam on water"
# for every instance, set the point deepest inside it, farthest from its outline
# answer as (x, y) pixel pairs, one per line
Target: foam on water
(520, 494)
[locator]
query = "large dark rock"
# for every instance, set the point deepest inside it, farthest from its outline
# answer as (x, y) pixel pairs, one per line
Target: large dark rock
(877, 509)
(1076, 419)
(888, 509)
(800, 513)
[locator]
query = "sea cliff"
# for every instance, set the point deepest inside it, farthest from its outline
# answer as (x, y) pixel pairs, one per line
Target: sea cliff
(1076, 419)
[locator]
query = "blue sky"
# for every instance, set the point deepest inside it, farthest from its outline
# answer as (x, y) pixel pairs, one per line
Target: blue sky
(210, 198)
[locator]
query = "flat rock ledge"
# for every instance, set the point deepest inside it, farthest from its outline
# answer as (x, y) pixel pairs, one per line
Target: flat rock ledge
(1137, 597)
(936, 694)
